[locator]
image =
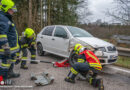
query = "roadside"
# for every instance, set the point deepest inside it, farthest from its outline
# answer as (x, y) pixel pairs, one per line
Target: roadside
(112, 69)
(123, 62)
(123, 59)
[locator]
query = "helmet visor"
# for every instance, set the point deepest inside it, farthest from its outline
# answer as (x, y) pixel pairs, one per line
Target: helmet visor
(14, 9)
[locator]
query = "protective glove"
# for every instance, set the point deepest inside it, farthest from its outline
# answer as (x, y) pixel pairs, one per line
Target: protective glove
(18, 60)
(7, 52)
(6, 48)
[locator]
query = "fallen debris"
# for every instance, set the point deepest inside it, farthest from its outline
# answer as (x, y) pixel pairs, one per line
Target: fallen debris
(42, 79)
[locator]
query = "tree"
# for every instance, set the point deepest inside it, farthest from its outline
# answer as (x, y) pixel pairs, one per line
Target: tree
(30, 14)
(121, 11)
(38, 13)
(27, 15)
(83, 11)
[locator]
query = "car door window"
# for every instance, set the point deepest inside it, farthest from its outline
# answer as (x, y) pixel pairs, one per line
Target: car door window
(60, 32)
(48, 31)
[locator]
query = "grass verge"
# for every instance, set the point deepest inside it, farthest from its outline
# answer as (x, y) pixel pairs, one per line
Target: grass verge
(123, 62)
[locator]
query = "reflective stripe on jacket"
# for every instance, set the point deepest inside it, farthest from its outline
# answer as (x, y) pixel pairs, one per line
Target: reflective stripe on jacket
(26, 42)
(92, 59)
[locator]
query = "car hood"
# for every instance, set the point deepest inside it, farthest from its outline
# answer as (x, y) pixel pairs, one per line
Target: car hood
(93, 41)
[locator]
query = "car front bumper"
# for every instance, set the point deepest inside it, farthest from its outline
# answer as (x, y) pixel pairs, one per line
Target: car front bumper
(108, 58)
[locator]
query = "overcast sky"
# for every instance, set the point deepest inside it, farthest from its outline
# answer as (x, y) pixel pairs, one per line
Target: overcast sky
(98, 7)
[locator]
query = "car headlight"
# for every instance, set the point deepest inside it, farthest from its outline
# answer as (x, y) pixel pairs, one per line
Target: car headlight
(98, 53)
(102, 49)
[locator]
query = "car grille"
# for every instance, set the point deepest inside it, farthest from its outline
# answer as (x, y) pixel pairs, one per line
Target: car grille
(111, 48)
(102, 61)
(110, 61)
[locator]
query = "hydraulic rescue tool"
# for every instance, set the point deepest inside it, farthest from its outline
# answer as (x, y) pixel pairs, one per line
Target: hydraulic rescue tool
(63, 63)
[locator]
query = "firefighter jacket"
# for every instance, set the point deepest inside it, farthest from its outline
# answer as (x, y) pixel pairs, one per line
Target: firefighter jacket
(89, 57)
(8, 33)
(27, 42)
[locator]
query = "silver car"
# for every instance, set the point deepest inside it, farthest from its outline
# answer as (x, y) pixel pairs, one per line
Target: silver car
(60, 39)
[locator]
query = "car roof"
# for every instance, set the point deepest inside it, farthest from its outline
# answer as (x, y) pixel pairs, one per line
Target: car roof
(59, 25)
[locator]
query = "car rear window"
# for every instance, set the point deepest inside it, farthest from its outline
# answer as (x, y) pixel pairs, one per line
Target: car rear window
(48, 31)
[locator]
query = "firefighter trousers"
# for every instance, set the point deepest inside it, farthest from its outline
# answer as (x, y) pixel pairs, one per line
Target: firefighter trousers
(83, 69)
(25, 54)
(5, 64)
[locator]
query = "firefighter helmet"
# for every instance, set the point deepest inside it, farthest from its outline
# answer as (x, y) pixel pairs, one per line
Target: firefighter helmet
(6, 5)
(29, 32)
(78, 48)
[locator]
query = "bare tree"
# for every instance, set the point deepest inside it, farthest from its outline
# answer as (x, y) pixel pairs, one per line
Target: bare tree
(121, 12)
(30, 14)
(83, 11)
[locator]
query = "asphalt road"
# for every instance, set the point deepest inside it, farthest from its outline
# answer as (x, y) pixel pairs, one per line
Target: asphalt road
(112, 79)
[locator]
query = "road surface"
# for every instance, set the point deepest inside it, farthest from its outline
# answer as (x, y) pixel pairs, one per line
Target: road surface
(112, 79)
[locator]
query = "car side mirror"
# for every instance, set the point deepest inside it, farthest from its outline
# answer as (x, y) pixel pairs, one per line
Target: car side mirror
(98, 53)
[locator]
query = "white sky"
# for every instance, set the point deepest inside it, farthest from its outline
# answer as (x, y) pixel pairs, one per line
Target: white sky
(98, 7)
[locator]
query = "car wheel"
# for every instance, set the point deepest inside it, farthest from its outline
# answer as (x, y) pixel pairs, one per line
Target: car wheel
(73, 58)
(40, 51)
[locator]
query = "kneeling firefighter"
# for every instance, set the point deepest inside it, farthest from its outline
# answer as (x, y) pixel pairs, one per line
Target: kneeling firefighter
(27, 41)
(8, 41)
(87, 65)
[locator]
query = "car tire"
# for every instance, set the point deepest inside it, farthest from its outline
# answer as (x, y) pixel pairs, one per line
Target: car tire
(40, 51)
(73, 58)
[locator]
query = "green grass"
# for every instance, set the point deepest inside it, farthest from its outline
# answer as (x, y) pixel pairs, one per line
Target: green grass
(123, 62)
(106, 40)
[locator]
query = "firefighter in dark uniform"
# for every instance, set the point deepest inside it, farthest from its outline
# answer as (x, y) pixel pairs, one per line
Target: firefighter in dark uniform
(87, 63)
(27, 42)
(8, 41)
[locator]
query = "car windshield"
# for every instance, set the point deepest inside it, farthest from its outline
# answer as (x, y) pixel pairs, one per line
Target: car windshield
(78, 32)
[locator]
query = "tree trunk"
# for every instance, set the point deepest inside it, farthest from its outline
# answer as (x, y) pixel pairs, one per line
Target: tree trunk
(30, 14)
(41, 14)
(48, 16)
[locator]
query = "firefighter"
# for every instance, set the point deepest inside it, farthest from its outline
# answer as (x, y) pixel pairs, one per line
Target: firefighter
(8, 40)
(87, 63)
(27, 41)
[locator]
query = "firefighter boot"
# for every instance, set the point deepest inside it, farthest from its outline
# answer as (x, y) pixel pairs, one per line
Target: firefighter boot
(33, 58)
(100, 84)
(11, 73)
(97, 83)
(23, 65)
(70, 78)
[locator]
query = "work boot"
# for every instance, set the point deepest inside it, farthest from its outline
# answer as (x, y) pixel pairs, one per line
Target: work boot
(100, 83)
(11, 73)
(24, 67)
(67, 79)
(34, 62)
(70, 78)
(96, 82)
